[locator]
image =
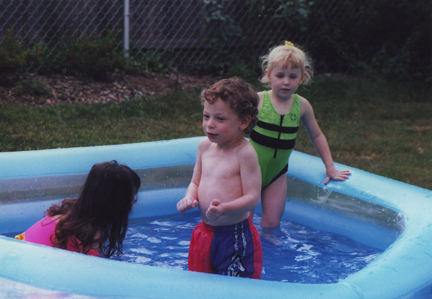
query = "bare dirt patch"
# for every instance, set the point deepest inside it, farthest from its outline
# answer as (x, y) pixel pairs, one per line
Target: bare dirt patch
(69, 89)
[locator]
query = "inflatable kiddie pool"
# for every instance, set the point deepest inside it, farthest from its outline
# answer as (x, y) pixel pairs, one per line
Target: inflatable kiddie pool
(376, 211)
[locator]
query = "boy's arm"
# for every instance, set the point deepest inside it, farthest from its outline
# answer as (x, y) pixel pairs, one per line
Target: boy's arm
(190, 201)
(320, 143)
(250, 175)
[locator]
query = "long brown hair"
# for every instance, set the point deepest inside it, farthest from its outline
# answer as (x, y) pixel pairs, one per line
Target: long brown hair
(100, 213)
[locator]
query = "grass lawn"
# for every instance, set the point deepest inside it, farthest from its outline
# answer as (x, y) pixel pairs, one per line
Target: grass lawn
(381, 128)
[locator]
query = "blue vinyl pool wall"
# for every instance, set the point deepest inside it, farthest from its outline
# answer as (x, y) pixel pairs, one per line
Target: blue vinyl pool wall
(374, 210)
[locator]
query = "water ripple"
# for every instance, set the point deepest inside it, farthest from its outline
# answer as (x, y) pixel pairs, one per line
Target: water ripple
(302, 254)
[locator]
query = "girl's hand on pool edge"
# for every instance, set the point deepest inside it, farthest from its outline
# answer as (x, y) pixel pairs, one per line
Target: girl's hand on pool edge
(186, 204)
(336, 175)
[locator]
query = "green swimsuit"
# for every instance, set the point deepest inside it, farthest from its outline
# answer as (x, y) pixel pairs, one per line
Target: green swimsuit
(274, 138)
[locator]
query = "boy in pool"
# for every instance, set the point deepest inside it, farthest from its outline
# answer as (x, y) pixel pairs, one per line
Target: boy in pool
(226, 185)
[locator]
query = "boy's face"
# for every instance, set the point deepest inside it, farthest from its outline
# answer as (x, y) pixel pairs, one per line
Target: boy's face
(221, 124)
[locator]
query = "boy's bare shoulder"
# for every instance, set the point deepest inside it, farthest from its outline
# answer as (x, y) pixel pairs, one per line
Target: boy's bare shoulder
(247, 151)
(204, 144)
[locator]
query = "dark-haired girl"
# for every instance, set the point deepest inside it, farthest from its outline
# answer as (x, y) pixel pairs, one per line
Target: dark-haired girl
(95, 223)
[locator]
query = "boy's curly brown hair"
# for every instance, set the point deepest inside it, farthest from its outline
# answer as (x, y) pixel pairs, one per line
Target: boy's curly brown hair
(241, 95)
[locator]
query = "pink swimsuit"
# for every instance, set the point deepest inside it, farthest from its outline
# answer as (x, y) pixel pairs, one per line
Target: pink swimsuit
(41, 232)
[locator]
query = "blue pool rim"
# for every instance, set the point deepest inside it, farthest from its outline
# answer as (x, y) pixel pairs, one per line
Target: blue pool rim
(403, 270)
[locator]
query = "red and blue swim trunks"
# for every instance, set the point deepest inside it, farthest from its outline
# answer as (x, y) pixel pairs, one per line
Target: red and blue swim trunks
(232, 250)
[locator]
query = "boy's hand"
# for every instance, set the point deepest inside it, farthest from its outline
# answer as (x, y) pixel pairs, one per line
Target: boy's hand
(215, 210)
(336, 175)
(186, 204)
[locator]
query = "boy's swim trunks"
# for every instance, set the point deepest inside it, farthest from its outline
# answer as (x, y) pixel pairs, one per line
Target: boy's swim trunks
(233, 250)
(274, 138)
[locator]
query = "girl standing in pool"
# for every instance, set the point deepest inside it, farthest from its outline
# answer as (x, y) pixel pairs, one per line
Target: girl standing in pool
(95, 223)
(280, 111)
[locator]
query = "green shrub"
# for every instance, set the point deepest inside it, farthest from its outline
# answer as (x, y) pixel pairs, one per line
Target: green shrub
(14, 56)
(51, 61)
(93, 57)
(386, 39)
(244, 70)
(34, 87)
(151, 60)
(238, 40)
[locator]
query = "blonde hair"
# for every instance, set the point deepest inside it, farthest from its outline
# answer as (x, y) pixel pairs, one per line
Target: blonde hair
(282, 55)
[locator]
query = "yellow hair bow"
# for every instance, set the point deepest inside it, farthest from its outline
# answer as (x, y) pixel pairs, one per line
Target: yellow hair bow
(287, 43)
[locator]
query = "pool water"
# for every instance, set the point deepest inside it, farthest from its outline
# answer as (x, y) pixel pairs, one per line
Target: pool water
(295, 253)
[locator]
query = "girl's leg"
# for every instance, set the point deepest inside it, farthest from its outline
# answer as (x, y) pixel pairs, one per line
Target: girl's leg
(273, 199)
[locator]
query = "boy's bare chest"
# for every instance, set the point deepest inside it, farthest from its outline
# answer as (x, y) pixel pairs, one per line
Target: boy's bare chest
(219, 166)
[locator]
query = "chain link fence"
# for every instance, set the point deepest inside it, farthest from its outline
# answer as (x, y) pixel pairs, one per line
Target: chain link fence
(201, 34)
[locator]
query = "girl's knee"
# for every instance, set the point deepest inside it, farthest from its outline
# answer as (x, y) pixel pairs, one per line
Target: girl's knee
(270, 222)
